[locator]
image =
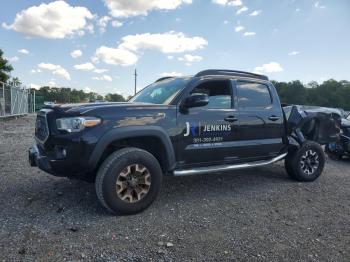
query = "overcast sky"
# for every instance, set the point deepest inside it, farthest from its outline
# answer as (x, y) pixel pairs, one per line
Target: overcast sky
(96, 45)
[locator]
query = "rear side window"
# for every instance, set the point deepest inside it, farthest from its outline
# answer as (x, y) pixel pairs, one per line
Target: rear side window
(253, 95)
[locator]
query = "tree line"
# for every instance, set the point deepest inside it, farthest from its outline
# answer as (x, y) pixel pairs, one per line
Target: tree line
(330, 93)
(64, 95)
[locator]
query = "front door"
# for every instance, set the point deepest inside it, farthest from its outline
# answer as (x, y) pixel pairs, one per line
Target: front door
(208, 131)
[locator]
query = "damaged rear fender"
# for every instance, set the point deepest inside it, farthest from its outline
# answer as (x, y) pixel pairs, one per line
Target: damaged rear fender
(316, 124)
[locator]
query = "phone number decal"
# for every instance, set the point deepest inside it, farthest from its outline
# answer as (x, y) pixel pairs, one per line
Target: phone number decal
(198, 140)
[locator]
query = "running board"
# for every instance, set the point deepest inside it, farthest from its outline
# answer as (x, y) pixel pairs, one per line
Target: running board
(222, 168)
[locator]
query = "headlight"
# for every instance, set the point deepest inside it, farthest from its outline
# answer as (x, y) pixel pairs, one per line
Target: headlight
(76, 124)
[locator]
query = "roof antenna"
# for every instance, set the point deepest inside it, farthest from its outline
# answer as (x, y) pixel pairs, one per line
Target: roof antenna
(135, 80)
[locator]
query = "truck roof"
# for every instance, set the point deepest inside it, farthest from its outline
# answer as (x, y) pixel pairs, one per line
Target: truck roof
(223, 72)
(216, 72)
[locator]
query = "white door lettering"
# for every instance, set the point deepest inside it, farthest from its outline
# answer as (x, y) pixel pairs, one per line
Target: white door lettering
(188, 129)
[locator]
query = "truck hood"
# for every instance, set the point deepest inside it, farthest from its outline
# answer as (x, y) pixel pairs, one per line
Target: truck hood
(86, 107)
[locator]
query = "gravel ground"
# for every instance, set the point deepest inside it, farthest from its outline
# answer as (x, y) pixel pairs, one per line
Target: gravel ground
(255, 215)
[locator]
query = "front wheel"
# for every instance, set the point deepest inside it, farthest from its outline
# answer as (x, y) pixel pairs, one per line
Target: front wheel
(306, 164)
(128, 181)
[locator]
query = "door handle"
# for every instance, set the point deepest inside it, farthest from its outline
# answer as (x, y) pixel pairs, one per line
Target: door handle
(231, 119)
(274, 118)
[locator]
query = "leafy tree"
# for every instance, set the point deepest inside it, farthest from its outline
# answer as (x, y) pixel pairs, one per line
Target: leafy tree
(291, 92)
(65, 95)
(5, 68)
(114, 98)
(15, 82)
(99, 98)
(330, 93)
(68, 95)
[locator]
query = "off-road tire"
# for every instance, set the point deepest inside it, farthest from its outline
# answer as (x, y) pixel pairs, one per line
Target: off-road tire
(295, 162)
(113, 166)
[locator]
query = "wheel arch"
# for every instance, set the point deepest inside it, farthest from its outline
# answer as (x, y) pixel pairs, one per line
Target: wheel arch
(134, 133)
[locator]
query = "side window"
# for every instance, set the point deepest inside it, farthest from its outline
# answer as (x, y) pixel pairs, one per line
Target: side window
(219, 92)
(253, 95)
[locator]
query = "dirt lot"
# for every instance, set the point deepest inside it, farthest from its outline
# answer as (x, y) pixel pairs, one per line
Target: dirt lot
(257, 214)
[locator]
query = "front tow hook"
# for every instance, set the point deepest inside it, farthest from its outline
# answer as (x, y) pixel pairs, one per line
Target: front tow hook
(33, 155)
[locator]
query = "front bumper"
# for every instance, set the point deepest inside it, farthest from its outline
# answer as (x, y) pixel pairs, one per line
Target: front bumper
(33, 152)
(36, 159)
(52, 165)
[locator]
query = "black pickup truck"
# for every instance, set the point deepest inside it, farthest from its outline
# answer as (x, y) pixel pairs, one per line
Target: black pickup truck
(215, 121)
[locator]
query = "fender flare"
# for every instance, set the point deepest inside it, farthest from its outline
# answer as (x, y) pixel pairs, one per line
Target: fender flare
(133, 132)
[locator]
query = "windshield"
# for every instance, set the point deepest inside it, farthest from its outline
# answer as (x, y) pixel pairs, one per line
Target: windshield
(162, 92)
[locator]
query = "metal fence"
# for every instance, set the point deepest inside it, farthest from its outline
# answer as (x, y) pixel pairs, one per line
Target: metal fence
(16, 100)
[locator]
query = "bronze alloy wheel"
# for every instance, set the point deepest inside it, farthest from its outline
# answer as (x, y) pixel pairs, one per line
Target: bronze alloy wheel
(128, 181)
(309, 162)
(133, 183)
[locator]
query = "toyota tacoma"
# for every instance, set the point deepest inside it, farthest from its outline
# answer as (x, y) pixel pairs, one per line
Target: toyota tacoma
(214, 121)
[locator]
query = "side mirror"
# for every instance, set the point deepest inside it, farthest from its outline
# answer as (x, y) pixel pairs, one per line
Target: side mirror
(196, 100)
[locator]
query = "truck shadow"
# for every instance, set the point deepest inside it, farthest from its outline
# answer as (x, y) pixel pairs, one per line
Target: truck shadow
(60, 195)
(238, 182)
(217, 186)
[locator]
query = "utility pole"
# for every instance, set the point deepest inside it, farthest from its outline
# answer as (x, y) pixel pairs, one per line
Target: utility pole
(135, 80)
(34, 101)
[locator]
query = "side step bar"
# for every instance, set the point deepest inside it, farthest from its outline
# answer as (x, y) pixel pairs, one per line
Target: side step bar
(222, 168)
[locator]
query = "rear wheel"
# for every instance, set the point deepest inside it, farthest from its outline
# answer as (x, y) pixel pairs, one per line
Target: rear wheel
(305, 164)
(128, 181)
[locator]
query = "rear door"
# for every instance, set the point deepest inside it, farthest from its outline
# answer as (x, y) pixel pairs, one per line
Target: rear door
(260, 120)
